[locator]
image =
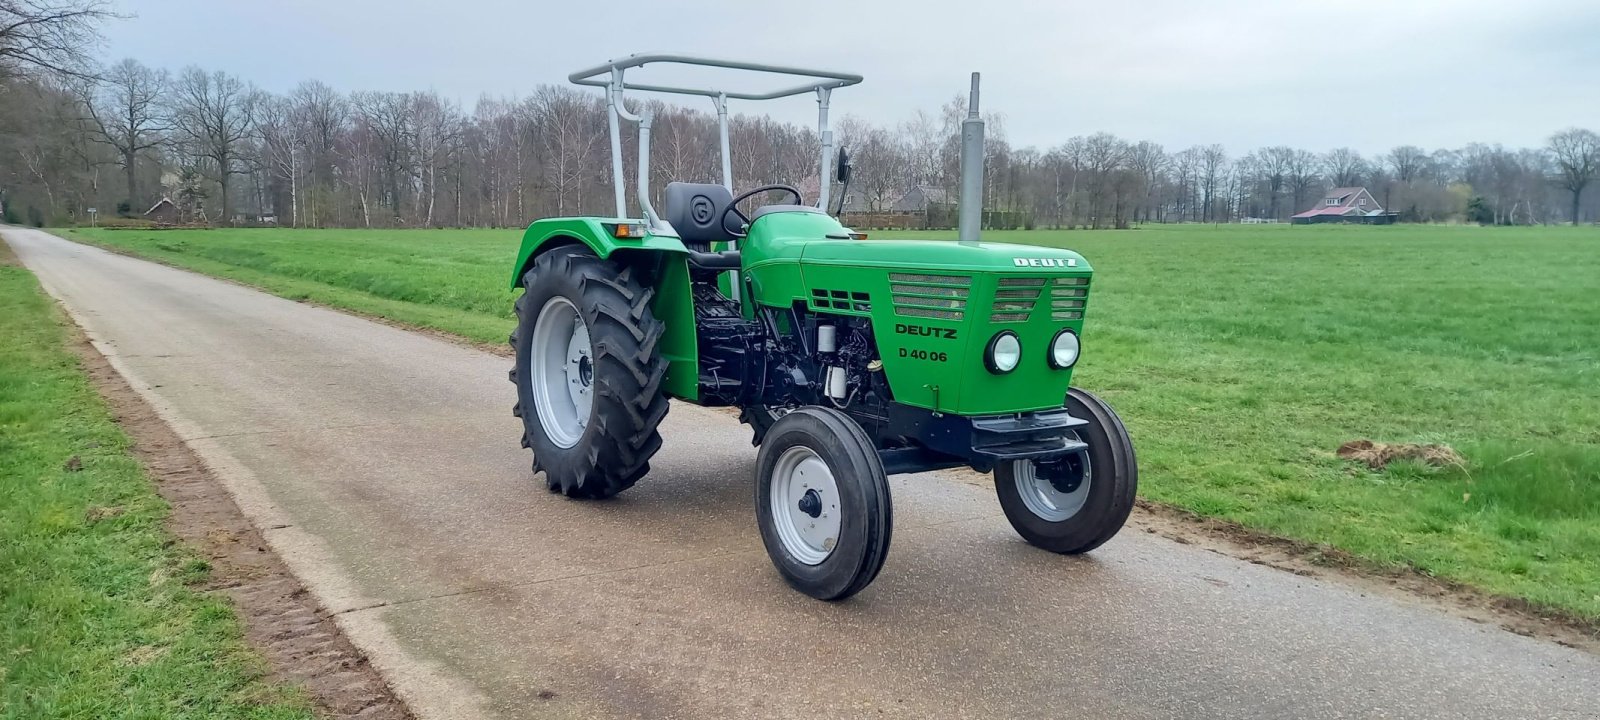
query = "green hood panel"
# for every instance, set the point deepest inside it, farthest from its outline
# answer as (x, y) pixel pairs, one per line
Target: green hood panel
(943, 255)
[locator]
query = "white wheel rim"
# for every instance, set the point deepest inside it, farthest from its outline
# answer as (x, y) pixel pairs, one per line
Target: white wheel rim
(802, 484)
(561, 371)
(1043, 499)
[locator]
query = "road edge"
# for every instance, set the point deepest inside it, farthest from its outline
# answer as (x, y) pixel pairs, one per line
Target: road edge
(423, 689)
(1399, 583)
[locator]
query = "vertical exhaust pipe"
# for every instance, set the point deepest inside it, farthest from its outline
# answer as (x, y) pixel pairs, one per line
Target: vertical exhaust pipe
(970, 220)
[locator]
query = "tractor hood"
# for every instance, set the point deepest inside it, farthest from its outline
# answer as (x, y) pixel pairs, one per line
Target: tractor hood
(943, 255)
(936, 306)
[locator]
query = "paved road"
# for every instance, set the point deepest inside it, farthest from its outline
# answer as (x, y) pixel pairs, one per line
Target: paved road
(387, 468)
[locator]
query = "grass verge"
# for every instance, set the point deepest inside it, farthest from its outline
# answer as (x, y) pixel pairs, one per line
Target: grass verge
(1240, 357)
(100, 616)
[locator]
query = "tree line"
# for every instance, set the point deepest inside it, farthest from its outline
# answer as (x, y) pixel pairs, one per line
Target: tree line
(122, 137)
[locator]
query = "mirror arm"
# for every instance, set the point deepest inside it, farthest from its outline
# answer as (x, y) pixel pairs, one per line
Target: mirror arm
(844, 170)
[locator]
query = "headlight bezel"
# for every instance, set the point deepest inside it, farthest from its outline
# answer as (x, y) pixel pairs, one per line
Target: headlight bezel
(991, 358)
(1077, 349)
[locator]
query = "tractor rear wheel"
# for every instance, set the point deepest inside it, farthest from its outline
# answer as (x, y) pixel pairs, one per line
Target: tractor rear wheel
(822, 503)
(588, 373)
(1076, 504)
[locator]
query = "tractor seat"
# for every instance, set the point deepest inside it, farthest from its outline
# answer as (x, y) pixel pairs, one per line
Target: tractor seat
(696, 211)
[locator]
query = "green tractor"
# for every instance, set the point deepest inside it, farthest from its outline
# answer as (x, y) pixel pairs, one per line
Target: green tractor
(852, 359)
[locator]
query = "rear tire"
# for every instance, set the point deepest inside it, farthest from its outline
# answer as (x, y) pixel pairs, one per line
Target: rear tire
(1075, 516)
(822, 503)
(590, 400)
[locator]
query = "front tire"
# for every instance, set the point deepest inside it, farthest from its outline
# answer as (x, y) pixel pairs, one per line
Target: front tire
(1080, 503)
(588, 373)
(822, 503)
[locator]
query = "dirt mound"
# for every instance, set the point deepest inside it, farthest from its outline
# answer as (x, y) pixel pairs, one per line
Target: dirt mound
(1378, 455)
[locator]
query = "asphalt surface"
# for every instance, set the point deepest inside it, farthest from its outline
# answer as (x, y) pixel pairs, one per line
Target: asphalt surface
(384, 465)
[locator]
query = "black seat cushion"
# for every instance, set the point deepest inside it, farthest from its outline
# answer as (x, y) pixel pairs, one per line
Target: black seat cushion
(696, 212)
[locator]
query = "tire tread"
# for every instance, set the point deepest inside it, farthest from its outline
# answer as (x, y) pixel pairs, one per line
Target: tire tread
(628, 368)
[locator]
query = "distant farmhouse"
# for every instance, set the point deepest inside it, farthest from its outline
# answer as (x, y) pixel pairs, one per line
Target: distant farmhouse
(163, 212)
(1346, 205)
(919, 198)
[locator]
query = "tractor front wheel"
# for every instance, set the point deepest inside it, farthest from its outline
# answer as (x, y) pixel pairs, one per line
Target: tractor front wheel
(588, 373)
(1075, 504)
(822, 503)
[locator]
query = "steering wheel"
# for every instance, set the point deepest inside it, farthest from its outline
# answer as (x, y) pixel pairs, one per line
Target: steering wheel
(733, 206)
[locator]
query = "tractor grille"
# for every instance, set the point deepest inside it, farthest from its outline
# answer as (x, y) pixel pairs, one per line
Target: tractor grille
(1015, 299)
(1067, 298)
(930, 296)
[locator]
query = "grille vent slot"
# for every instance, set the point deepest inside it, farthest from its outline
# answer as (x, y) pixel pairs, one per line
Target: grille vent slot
(1016, 298)
(1068, 295)
(846, 300)
(931, 296)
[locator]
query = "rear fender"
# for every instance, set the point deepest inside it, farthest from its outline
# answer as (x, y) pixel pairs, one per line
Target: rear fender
(660, 262)
(592, 233)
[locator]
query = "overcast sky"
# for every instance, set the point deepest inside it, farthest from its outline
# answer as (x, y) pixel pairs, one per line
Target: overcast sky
(1245, 73)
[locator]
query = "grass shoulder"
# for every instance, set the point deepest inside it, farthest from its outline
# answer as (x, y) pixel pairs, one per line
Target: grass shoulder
(101, 613)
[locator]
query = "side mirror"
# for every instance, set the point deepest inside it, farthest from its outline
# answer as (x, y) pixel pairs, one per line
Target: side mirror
(843, 164)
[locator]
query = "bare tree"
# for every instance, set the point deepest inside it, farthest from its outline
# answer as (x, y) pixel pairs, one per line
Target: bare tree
(1150, 162)
(1344, 167)
(1061, 167)
(1273, 162)
(1577, 156)
(50, 35)
(1213, 165)
(321, 115)
(437, 125)
(1402, 165)
(1104, 156)
(126, 115)
(884, 163)
(1185, 168)
(569, 126)
(1300, 168)
(360, 151)
(282, 150)
(386, 118)
(214, 113)
(679, 148)
(1407, 162)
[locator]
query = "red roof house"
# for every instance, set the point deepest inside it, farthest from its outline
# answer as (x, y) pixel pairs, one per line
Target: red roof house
(1347, 204)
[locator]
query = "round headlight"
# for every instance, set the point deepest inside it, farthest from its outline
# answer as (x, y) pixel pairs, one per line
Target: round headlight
(1064, 349)
(1004, 352)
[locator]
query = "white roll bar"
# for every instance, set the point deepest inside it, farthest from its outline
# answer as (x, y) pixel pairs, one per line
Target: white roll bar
(610, 77)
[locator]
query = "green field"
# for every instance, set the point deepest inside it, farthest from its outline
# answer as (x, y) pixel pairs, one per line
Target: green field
(100, 616)
(1240, 357)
